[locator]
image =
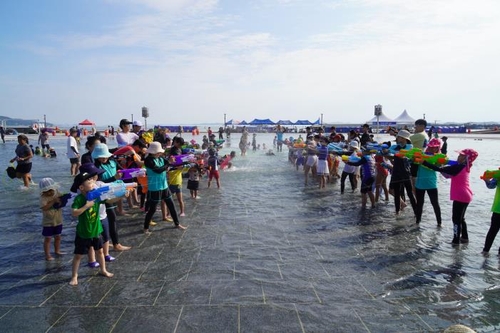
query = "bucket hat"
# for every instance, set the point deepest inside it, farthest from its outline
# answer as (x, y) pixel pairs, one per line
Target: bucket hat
(435, 142)
(155, 148)
(101, 150)
(47, 184)
(354, 144)
(404, 134)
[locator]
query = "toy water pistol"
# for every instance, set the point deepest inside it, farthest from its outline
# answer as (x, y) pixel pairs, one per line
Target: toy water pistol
(408, 153)
(63, 201)
(111, 191)
(491, 174)
(436, 159)
(375, 147)
(132, 173)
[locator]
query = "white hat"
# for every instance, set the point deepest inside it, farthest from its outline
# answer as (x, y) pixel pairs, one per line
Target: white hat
(47, 184)
(354, 144)
(155, 148)
(137, 123)
(404, 134)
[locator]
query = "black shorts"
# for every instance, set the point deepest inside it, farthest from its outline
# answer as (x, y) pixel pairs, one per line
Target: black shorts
(82, 245)
(157, 196)
(74, 160)
(193, 185)
(46, 146)
(367, 185)
(414, 169)
(23, 168)
(174, 188)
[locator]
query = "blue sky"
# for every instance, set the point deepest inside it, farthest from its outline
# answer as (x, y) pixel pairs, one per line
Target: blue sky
(192, 61)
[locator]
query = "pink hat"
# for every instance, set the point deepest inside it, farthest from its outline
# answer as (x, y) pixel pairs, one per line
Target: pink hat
(435, 142)
(470, 154)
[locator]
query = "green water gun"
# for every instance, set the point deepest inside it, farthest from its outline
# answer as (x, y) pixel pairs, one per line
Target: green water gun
(491, 174)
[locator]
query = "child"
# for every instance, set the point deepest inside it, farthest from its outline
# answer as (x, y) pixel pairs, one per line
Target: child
(382, 172)
(427, 182)
(495, 216)
(350, 170)
(52, 217)
(89, 228)
(194, 175)
(367, 164)
(174, 178)
(156, 171)
(323, 171)
(213, 167)
(401, 173)
(460, 191)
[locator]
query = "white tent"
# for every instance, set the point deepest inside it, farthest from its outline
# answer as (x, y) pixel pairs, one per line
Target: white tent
(382, 120)
(404, 119)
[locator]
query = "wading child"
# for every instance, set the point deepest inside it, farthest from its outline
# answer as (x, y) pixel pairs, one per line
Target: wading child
(367, 164)
(381, 166)
(194, 175)
(350, 170)
(89, 228)
(460, 191)
(323, 171)
(493, 183)
(51, 217)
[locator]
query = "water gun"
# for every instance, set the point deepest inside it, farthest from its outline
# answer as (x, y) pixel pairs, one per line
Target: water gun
(178, 160)
(409, 153)
(374, 147)
(132, 173)
(63, 201)
(335, 147)
(350, 158)
(111, 191)
(491, 174)
(187, 150)
(436, 159)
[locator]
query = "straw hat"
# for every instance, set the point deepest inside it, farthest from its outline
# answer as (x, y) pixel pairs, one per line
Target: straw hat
(101, 150)
(155, 148)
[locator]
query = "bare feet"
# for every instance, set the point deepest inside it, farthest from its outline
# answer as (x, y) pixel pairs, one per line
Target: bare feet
(182, 214)
(119, 247)
(60, 253)
(180, 226)
(106, 274)
(49, 258)
(147, 232)
(168, 219)
(74, 281)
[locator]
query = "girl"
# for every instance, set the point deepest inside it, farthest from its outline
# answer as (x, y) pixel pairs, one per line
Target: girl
(382, 172)
(427, 182)
(52, 217)
(323, 171)
(156, 171)
(460, 191)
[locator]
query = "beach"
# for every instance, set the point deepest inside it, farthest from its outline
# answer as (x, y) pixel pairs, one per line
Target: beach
(262, 254)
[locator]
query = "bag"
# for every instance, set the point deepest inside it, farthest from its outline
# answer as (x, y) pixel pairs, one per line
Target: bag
(11, 171)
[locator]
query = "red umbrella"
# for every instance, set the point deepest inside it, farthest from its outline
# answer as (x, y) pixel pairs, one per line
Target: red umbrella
(87, 122)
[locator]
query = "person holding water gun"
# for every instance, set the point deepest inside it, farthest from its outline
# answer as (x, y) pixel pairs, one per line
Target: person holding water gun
(401, 172)
(460, 191)
(492, 181)
(427, 182)
(156, 170)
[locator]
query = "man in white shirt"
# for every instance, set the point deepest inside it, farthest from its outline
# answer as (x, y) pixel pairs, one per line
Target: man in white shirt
(72, 151)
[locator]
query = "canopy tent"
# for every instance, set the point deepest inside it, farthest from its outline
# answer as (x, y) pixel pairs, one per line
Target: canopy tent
(243, 123)
(233, 122)
(258, 122)
(382, 120)
(404, 119)
(317, 122)
(284, 122)
(86, 122)
(303, 123)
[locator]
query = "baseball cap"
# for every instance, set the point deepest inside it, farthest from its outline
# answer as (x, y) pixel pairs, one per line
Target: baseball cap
(124, 122)
(137, 123)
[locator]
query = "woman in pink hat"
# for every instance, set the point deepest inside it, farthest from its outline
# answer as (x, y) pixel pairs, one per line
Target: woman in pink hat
(460, 191)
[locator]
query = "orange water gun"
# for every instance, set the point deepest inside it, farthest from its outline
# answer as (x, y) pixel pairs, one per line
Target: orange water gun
(437, 159)
(491, 174)
(409, 153)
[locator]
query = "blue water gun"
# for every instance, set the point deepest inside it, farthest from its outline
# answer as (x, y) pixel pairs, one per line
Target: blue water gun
(63, 201)
(111, 191)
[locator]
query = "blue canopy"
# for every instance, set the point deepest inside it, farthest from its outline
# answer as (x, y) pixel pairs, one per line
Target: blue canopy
(302, 122)
(284, 122)
(243, 123)
(317, 122)
(262, 122)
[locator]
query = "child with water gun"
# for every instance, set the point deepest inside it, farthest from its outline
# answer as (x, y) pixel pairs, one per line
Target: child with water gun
(492, 181)
(52, 218)
(350, 171)
(460, 191)
(426, 181)
(382, 171)
(401, 172)
(367, 164)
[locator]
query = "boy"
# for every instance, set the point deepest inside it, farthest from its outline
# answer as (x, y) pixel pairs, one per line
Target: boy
(89, 227)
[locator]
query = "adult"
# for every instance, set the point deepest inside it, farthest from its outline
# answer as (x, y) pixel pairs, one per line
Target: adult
(2, 133)
(125, 137)
(279, 138)
(43, 140)
(365, 136)
(221, 133)
(137, 128)
(228, 132)
(243, 141)
(72, 151)
(24, 154)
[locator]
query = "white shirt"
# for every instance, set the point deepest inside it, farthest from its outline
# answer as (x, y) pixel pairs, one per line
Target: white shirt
(71, 143)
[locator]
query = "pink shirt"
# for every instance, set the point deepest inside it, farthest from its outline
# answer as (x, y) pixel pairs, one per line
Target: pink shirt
(460, 187)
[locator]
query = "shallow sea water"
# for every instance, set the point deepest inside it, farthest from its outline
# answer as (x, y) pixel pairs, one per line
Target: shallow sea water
(415, 263)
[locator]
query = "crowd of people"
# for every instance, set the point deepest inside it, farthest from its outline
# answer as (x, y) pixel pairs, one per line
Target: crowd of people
(410, 166)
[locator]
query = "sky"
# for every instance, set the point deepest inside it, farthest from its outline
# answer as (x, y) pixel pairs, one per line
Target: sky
(198, 61)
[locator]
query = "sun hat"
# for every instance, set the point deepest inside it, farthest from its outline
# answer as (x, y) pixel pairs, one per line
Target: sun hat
(80, 179)
(137, 123)
(470, 153)
(354, 144)
(90, 168)
(101, 150)
(404, 134)
(155, 148)
(47, 184)
(435, 142)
